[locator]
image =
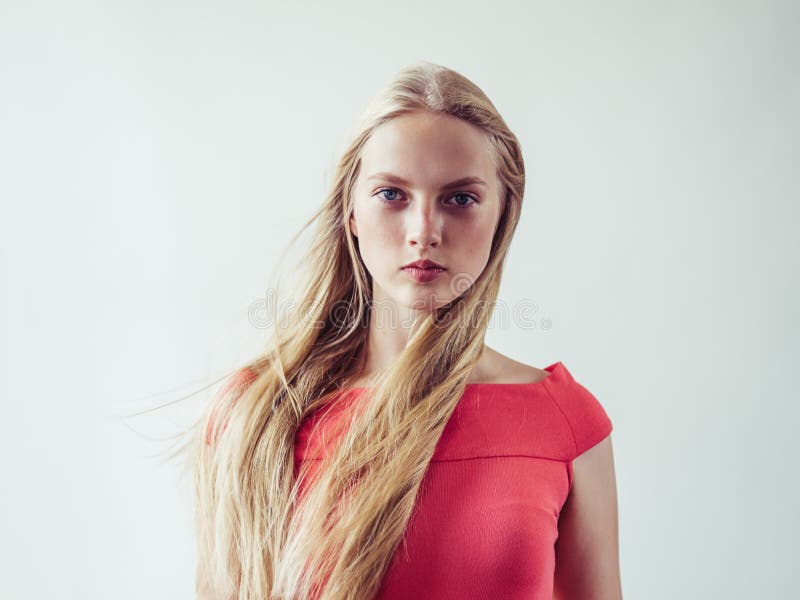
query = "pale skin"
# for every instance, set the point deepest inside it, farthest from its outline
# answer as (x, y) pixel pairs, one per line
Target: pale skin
(397, 222)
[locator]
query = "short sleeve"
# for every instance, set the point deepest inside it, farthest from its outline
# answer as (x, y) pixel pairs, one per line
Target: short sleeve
(232, 389)
(587, 418)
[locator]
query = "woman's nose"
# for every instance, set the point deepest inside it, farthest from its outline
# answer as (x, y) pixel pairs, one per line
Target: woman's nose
(424, 226)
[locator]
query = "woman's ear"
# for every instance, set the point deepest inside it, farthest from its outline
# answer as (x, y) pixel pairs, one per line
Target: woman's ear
(353, 229)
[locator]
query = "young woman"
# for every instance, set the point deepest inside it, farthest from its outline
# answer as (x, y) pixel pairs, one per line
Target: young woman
(378, 448)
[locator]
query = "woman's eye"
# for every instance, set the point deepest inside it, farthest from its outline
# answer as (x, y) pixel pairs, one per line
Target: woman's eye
(389, 191)
(460, 199)
(464, 200)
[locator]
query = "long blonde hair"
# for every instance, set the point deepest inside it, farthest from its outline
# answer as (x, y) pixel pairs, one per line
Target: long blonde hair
(257, 536)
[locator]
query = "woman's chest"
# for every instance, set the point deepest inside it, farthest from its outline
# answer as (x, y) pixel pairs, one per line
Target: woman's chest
(481, 528)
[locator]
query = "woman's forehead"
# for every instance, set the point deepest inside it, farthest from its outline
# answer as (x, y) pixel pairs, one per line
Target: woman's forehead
(421, 147)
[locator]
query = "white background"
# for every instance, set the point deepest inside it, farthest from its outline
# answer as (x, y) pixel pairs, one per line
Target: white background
(155, 158)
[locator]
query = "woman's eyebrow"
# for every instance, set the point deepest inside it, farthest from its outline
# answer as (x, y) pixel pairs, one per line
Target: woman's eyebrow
(472, 180)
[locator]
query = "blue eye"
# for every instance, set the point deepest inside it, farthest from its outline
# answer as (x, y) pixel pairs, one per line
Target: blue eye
(467, 196)
(384, 198)
(394, 196)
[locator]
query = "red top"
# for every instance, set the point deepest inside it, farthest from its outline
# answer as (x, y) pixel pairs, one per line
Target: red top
(486, 519)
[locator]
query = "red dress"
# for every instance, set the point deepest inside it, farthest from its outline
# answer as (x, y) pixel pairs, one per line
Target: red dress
(486, 518)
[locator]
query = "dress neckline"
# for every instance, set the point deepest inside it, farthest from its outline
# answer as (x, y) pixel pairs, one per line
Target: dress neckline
(553, 370)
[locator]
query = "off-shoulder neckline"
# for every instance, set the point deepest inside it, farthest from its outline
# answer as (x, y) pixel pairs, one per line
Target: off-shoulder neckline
(553, 370)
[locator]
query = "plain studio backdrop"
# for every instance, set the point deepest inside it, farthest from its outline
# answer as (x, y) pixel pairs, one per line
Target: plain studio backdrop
(156, 157)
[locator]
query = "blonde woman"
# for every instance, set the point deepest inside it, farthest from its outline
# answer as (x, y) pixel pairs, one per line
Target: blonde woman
(378, 448)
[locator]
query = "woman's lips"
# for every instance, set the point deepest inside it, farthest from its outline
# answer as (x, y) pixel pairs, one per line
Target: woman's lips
(424, 275)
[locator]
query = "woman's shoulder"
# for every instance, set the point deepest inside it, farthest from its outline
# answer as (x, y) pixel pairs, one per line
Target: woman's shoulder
(221, 402)
(555, 418)
(495, 367)
(584, 413)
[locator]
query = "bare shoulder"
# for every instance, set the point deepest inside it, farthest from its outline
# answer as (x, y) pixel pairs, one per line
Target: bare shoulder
(495, 367)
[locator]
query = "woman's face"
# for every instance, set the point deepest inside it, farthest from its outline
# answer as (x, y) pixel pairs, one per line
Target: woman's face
(427, 188)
